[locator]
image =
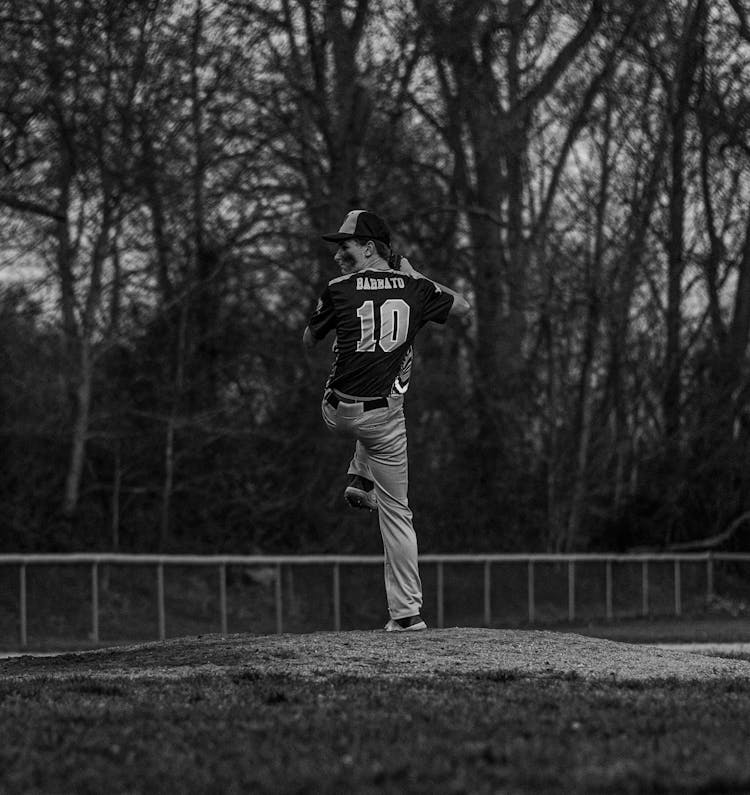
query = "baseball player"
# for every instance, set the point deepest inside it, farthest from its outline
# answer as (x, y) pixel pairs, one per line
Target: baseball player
(375, 312)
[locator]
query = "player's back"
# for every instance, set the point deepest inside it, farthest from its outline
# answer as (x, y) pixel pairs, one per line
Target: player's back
(376, 314)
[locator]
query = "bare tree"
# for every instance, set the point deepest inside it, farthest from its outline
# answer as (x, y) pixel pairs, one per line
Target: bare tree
(687, 53)
(498, 82)
(75, 91)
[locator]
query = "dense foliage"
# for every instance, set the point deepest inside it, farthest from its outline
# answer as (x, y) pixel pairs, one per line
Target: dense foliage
(580, 170)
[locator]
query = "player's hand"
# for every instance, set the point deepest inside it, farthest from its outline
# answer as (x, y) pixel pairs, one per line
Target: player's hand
(407, 268)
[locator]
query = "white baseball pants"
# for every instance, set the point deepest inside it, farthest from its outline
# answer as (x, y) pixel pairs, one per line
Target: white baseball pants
(381, 456)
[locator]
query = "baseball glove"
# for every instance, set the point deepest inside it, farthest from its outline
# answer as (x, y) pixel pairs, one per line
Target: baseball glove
(394, 261)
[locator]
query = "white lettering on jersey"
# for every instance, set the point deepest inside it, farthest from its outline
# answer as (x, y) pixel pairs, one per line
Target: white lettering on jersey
(387, 283)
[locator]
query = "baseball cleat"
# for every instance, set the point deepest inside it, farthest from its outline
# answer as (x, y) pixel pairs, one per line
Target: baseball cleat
(410, 624)
(360, 493)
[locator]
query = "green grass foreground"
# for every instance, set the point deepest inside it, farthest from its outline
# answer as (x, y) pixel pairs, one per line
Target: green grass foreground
(441, 711)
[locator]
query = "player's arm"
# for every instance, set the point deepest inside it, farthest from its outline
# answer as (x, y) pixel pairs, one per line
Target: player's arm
(322, 321)
(460, 307)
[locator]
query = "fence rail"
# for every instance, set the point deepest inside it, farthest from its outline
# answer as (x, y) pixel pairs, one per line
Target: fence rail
(277, 562)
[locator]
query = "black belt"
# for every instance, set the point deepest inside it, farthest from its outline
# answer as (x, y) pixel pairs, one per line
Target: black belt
(367, 405)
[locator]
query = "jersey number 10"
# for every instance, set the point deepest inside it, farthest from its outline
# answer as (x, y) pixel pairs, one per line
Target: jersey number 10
(394, 325)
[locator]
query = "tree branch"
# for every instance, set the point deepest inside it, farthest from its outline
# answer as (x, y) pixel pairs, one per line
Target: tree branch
(566, 56)
(741, 18)
(28, 206)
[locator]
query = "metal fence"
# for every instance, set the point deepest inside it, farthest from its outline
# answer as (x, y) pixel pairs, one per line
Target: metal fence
(336, 562)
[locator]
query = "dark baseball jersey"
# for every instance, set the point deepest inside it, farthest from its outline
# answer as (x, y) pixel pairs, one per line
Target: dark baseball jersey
(376, 314)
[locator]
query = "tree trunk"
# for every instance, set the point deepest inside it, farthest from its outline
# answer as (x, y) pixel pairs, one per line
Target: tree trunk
(685, 67)
(584, 410)
(116, 498)
(171, 431)
(79, 435)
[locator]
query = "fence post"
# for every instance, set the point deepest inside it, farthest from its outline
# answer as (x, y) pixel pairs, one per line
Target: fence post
(487, 595)
(531, 591)
(440, 606)
(22, 605)
(279, 606)
(98, 580)
(336, 598)
(571, 590)
(95, 602)
(223, 598)
(160, 601)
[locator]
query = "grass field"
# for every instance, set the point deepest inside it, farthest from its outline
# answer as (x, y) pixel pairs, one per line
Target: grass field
(454, 710)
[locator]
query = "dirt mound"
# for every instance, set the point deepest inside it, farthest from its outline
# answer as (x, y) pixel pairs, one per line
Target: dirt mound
(376, 654)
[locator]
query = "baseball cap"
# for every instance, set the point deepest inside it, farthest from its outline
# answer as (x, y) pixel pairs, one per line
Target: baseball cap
(361, 223)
